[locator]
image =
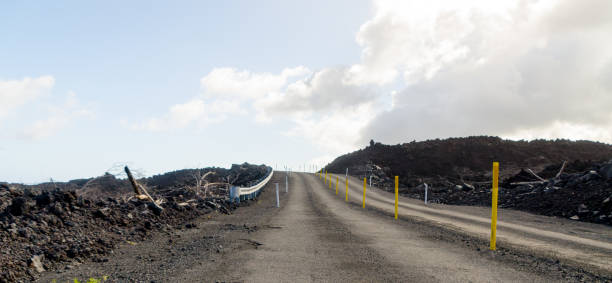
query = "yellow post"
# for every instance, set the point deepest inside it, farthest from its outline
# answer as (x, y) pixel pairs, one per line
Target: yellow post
(336, 185)
(330, 181)
(346, 188)
(364, 190)
(396, 198)
(494, 204)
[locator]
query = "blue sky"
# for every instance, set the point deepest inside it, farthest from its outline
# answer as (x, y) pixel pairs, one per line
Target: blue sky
(131, 59)
(165, 85)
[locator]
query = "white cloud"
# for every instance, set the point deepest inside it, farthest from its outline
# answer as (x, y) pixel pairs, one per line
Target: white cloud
(503, 69)
(513, 68)
(226, 91)
(44, 128)
(334, 131)
(178, 116)
(322, 106)
(324, 109)
(564, 130)
(60, 117)
(14, 93)
(322, 92)
(243, 84)
(192, 113)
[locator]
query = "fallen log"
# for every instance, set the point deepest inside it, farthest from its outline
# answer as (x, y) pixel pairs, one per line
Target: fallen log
(142, 194)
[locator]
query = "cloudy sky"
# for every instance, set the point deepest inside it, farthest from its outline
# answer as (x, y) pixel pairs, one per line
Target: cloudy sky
(164, 85)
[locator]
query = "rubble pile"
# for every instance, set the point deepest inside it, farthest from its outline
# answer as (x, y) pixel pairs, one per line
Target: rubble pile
(584, 195)
(53, 229)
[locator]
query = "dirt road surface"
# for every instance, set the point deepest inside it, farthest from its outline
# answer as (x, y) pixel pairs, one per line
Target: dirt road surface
(316, 236)
(583, 244)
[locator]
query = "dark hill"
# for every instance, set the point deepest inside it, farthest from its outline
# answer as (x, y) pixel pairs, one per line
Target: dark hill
(467, 158)
(458, 171)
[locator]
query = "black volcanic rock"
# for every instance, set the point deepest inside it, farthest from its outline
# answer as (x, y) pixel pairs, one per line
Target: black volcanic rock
(458, 171)
(18, 207)
(57, 226)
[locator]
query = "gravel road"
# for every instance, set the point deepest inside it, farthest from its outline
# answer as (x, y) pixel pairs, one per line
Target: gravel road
(316, 236)
(584, 245)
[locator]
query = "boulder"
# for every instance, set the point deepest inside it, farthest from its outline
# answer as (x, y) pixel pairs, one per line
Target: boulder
(35, 262)
(606, 171)
(43, 199)
(589, 176)
(467, 187)
(582, 208)
(18, 207)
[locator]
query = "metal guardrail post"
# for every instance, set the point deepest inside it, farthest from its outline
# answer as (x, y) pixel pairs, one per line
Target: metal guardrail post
(277, 201)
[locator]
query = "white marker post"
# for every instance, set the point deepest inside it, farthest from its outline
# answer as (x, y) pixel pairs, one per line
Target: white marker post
(425, 193)
(286, 184)
(277, 202)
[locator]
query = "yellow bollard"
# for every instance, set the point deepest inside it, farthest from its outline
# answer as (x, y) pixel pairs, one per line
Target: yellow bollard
(364, 190)
(494, 204)
(346, 186)
(396, 199)
(330, 181)
(336, 185)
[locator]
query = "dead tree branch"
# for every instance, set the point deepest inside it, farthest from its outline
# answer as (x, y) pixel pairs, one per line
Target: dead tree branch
(527, 183)
(540, 179)
(561, 170)
(214, 184)
(202, 179)
(535, 175)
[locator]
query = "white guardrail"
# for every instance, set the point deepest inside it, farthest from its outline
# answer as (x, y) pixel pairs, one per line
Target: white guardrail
(244, 193)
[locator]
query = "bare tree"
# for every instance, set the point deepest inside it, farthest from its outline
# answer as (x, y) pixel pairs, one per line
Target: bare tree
(199, 178)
